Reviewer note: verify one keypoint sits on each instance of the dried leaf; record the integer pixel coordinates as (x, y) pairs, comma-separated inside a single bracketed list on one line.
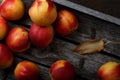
[(90, 46)]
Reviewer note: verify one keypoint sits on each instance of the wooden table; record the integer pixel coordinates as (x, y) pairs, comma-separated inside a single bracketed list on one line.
[(90, 23)]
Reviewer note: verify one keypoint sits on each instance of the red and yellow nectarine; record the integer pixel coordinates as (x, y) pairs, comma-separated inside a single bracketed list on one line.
[(109, 71), (3, 28), (62, 70), (66, 23), (18, 39), (27, 70), (12, 9), (41, 36), (43, 12), (6, 57)]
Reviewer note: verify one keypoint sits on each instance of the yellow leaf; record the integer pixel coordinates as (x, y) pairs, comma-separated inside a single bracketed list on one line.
[(90, 46)]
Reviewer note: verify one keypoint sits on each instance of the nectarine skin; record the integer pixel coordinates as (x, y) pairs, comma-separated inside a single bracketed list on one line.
[(18, 39), (109, 71), (3, 28), (41, 36), (43, 12), (12, 9), (62, 70), (6, 57), (66, 23), (26, 70)]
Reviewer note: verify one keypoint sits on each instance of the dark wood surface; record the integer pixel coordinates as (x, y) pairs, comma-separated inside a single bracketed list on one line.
[(110, 7), (61, 48)]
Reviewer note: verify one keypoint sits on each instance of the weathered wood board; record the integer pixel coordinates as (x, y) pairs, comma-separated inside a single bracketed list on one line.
[(2, 75), (61, 48)]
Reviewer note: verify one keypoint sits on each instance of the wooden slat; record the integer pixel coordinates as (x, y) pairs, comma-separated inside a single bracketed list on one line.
[(56, 51), (89, 11), (2, 75)]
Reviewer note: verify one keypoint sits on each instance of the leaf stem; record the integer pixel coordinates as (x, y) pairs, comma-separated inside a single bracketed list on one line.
[(112, 42)]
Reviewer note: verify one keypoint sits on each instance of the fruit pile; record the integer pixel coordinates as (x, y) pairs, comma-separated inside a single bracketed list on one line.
[(44, 16)]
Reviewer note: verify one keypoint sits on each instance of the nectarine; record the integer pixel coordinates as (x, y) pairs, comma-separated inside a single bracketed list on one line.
[(3, 28), (62, 70), (66, 23), (6, 57), (18, 39), (41, 36), (43, 12), (12, 9), (26, 70), (109, 71)]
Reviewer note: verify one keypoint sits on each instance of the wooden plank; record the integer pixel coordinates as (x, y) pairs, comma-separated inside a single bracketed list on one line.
[(89, 11), (56, 51), (110, 7), (2, 74)]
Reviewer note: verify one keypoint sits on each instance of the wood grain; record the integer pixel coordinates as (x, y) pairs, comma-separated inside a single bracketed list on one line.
[(2, 74)]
